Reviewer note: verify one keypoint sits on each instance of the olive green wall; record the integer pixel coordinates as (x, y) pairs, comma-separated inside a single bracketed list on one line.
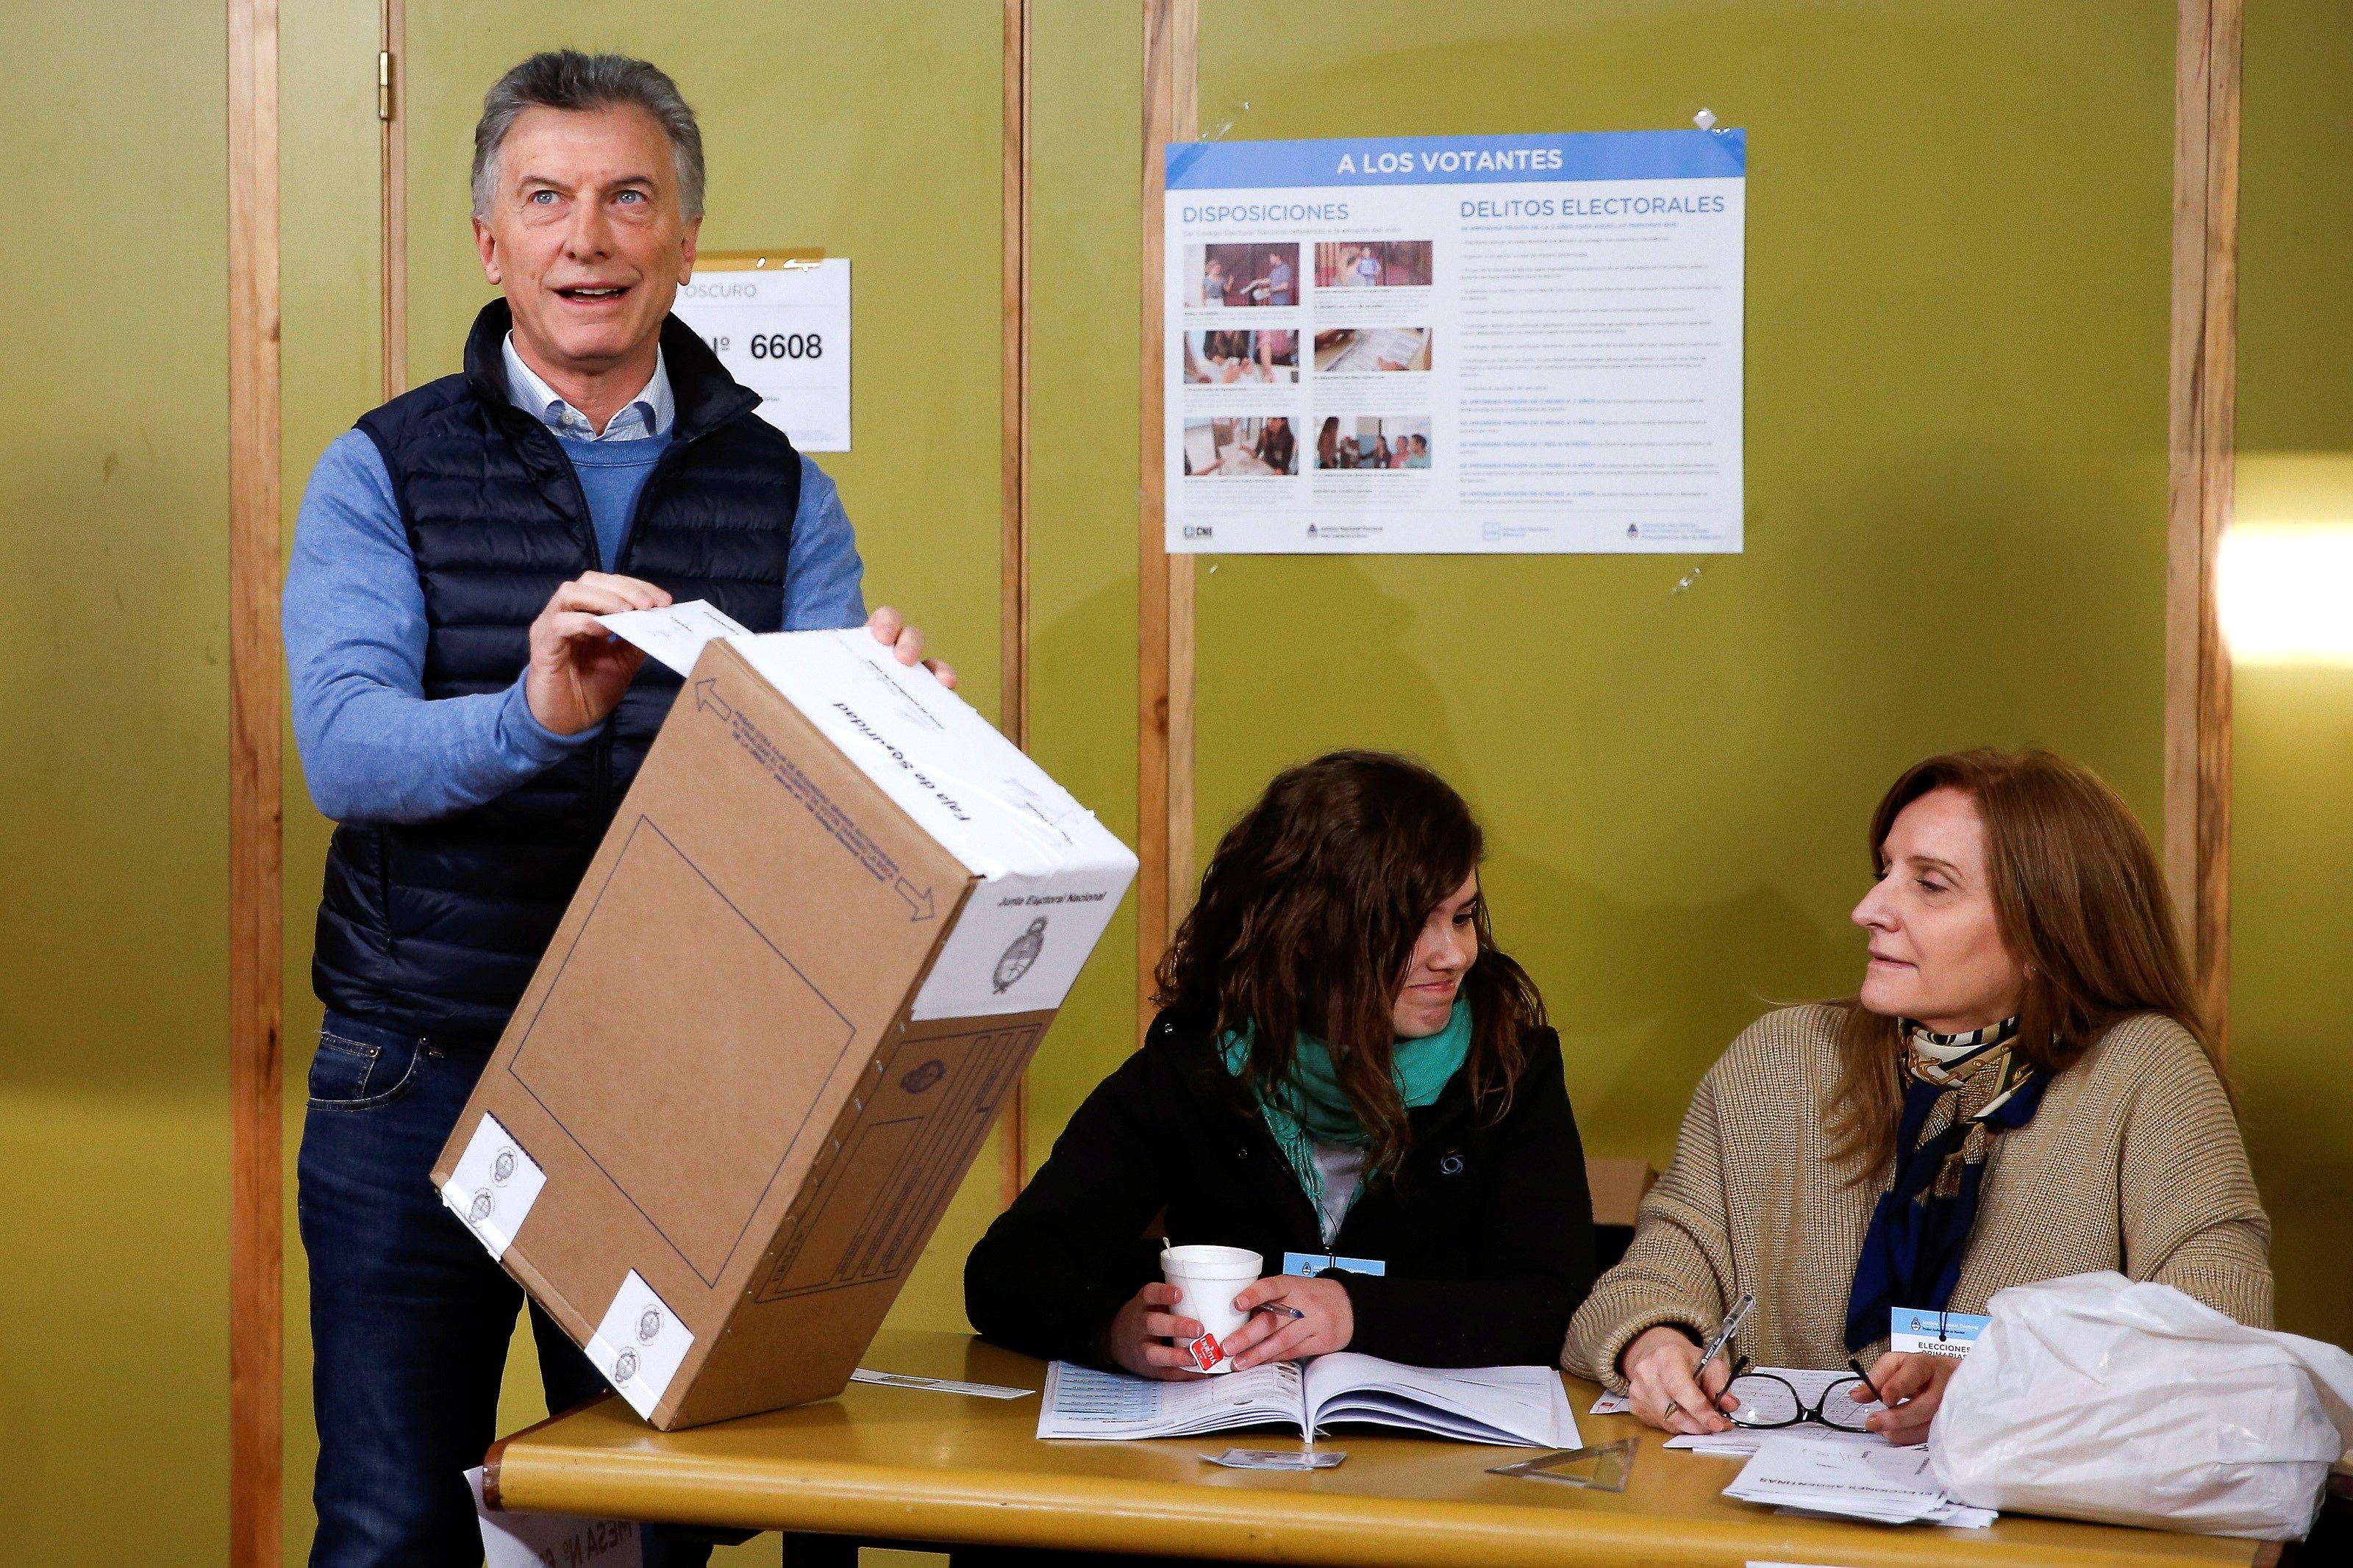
[(2292, 836), (1959, 231), (1958, 297), (114, 775)]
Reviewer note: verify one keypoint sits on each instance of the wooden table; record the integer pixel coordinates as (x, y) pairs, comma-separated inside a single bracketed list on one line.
[(906, 1466)]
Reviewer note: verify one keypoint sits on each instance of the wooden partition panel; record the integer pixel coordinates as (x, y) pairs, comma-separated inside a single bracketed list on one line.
[(2201, 446), (1165, 592), (255, 807), (1013, 459), (256, 697)]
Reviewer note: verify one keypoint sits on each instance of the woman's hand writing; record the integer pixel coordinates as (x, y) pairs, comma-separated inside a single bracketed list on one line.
[(1327, 1321), (1661, 1389)]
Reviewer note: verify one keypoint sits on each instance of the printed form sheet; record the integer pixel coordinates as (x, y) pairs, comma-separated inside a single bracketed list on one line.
[(1456, 345)]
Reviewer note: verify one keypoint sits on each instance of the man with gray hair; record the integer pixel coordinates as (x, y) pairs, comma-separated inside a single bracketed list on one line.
[(471, 728)]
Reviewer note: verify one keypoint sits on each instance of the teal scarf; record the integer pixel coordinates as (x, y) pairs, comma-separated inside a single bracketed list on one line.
[(1310, 1108)]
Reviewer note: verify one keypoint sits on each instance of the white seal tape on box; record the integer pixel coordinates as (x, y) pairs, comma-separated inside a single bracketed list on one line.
[(493, 1186), (639, 1344)]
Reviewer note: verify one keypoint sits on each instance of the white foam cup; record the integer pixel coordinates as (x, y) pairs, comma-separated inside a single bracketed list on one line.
[(1210, 1277)]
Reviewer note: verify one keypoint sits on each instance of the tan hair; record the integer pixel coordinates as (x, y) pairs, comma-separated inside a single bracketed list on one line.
[(2081, 904)]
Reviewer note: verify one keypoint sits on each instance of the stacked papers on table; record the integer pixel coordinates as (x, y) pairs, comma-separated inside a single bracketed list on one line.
[(1850, 1480)]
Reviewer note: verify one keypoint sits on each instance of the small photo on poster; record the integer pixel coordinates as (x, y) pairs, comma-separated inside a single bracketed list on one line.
[(1370, 351), (1226, 277), (1239, 357), (1240, 448), (1373, 263), (1369, 442)]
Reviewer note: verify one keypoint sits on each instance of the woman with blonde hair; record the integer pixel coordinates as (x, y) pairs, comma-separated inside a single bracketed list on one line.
[(2023, 1089)]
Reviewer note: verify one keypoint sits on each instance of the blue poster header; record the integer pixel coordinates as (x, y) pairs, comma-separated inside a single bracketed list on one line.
[(1459, 159)]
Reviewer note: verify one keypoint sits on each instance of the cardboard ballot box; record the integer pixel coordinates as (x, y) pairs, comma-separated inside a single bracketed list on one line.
[(822, 939)]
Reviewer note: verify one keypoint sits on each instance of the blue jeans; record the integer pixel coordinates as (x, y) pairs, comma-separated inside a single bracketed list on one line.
[(409, 1316)]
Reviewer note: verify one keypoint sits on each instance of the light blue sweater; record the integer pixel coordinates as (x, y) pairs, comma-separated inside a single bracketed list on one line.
[(374, 748)]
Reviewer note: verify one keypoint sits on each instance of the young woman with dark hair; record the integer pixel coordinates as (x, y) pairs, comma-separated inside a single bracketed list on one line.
[(1346, 1071), (2023, 1089)]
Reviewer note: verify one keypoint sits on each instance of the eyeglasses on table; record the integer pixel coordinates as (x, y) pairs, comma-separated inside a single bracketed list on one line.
[(1769, 1402)]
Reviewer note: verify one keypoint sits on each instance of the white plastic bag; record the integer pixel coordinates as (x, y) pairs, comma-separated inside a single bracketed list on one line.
[(2093, 1397)]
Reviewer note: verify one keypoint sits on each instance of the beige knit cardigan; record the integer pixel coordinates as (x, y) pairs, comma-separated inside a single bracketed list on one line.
[(2133, 1163)]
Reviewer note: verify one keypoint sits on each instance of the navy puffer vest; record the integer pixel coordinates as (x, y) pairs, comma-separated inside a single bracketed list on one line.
[(436, 926)]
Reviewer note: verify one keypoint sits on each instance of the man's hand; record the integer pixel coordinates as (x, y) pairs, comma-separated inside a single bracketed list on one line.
[(906, 644), (1914, 1385), (1330, 1322), (1138, 1338), (1658, 1367), (578, 670)]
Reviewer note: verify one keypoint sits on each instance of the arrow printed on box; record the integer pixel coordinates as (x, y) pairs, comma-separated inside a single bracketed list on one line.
[(707, 696), (920, 903)]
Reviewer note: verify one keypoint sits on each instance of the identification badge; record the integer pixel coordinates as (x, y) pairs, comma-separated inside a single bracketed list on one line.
[(1920, 1332), (1307, 1264)]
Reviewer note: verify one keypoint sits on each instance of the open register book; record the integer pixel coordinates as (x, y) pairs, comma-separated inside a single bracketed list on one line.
[(1519, 1406)]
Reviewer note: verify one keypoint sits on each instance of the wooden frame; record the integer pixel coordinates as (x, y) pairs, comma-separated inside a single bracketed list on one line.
[(392, 219), (1164, 709), (1013, 604), (256, 916), (2202, 411)]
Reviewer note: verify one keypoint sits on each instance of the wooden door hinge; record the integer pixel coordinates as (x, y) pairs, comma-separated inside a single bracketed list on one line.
[(383, 85)]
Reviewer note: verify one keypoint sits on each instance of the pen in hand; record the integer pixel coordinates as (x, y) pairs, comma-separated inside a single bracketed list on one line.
[(1714, 1347)]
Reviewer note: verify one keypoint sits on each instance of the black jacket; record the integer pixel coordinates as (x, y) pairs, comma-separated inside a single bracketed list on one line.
[(1486, 1229), (433, 928)]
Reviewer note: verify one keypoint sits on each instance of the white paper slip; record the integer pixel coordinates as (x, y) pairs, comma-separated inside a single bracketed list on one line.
[(1053, 874), (676, 633), (1278, 1458), (939, 1384), (1739, 1443), (1611, 1404), (1850, 1480), (536, 1540), (493, 1185), (638, 1344)]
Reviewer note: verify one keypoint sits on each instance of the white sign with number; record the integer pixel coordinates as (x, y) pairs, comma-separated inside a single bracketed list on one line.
[(782, 330)]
